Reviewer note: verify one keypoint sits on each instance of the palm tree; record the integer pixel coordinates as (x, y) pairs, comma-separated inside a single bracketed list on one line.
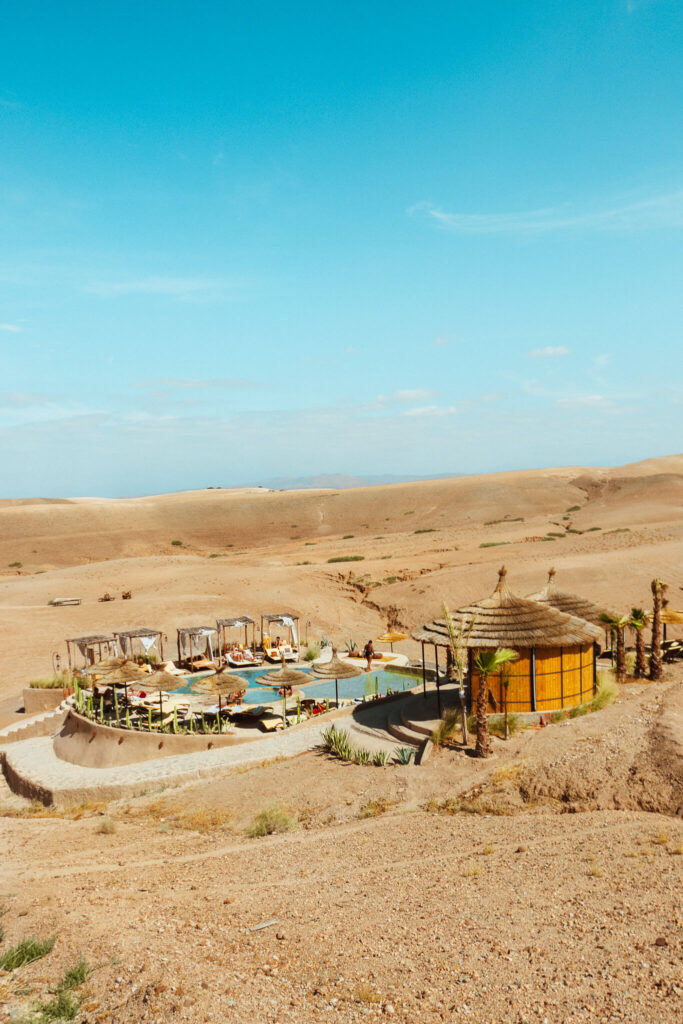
[(488, 663), (658, 587), (456, 655), (618, 624), (637, 622)]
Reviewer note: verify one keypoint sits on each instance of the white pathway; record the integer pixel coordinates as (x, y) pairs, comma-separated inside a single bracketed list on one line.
[(32, 767)]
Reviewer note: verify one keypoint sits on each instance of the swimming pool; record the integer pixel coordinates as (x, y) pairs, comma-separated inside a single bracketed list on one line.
[(259, 692)]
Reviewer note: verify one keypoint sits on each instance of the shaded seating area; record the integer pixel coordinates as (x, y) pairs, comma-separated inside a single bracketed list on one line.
[(90, 650), (280, 636), (147, 644), (197, 647), (236, 649)]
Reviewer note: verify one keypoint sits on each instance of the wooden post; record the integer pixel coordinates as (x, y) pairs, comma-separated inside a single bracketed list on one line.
[(424, 671), (68, 654), (562, 676), (438, 690), (161, 645), (532, 678), (470, 672), (595, 669), (190, 639)]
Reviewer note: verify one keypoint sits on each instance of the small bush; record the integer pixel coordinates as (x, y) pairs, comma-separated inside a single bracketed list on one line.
[(495, 522), (390, 579), (347, 558), (107, 827), (554, 533), (662, 837), (494, 543), (348, 536), (559, 716), (362, 756), (380, 758), (337, 742), (489, 850), (365, 993), (14, 565), (592, 529), (429, 529), (177, 543), (312, 652), (373, 808), (25, 952), (497, 724), (63, 1006), (570, 529), (54, 682), (449, 725), (271, 820), (470, 871), (574, 508), (204, 820), (578, 710), (608, 691)]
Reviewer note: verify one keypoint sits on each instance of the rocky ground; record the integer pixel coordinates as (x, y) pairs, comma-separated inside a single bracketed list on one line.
[(458, 891)]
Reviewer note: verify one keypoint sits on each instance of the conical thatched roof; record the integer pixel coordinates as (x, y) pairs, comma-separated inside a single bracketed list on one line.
[(117, 670), (286, 676), (505, 620), (571, 604), (221, 683), (161, 681), (336, 669)]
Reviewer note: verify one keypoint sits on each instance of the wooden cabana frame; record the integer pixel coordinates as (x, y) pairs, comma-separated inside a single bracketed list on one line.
[(127, 638), (195, 637), (279, 619), (223, 625), (92, 649), (556, 653)]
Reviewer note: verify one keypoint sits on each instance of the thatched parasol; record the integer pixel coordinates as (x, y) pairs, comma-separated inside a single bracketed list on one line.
[(336, 669), (571, 604), (118, 672), (286, 676), (391, 637), (223, 685), (161, 681), (505, 620)]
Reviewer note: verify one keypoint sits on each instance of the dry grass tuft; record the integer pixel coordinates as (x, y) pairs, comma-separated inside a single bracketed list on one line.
[(203, 820), (106, 827), (364, 992), (662, 837), (489, 849), (373, 808), (271, 820), (597, 872), (470, 871), (464, 805)]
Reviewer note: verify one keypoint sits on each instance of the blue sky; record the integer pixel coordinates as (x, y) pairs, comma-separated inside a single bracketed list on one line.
[(240, 242)]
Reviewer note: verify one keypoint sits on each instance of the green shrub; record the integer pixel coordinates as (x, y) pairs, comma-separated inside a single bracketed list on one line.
[(494, 543), (403, 755), (497, 724), (63, 1006), (361, 756), (552, 533), (495, 522), (25, 952), (574, 508), (337, 742), (449, 725), (347, 558), (429, 529), (592, 529), (54, 682), (380, 758), (312, 652), (608, 691), (571, 529), (373, 808), (271, 820), (348, 536), (559, 716), (14, 565), (177, 543), (578, 710)]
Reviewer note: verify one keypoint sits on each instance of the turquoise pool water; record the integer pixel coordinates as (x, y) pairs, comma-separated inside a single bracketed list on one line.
[(259, 692)]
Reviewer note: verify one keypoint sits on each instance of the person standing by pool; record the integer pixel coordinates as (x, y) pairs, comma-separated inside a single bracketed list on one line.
[(368, 654)]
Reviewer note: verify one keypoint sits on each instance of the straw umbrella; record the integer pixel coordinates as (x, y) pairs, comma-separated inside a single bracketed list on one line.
[(161, 681), (118, 672), (221, 684), (286, 676), (336, 669), (391, 637)]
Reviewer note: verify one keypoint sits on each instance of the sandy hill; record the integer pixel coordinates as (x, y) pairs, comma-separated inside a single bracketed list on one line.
[(346, 561)]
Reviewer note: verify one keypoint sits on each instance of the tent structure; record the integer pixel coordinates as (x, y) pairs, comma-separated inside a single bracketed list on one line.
[(242, 622), (134, 642), (556, 653), (92, 649), (280, 620), (196, 643)]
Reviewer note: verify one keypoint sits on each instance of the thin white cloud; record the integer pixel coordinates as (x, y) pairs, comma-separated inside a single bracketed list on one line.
[(585, 401), (174, 287), (663, 211), (601, 360), (549, 352), (441, 341), (193, 384), (407, 395), (431, 410), (10, 327)]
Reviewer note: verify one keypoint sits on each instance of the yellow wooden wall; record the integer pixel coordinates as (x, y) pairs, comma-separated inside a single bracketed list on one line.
[(564, 678)]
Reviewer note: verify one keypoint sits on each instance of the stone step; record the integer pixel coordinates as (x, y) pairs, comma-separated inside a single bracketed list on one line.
[(402, 732), (44, 724), (425, 728)]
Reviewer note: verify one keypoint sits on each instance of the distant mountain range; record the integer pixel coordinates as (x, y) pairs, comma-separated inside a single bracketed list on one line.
[(339, 481)]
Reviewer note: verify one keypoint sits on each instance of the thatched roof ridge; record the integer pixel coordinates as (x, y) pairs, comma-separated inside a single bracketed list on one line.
[(97, 639), (505, 620), (133, 633), (571, 604)]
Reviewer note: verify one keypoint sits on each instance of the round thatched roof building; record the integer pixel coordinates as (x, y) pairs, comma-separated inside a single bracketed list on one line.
[(571, 604), (555, 665)]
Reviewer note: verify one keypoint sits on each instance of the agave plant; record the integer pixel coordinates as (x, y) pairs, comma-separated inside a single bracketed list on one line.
[(362, 756), (403, 755), (380, 758)]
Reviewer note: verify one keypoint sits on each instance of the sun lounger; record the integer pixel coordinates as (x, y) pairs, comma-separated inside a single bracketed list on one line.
[(271, 723)]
